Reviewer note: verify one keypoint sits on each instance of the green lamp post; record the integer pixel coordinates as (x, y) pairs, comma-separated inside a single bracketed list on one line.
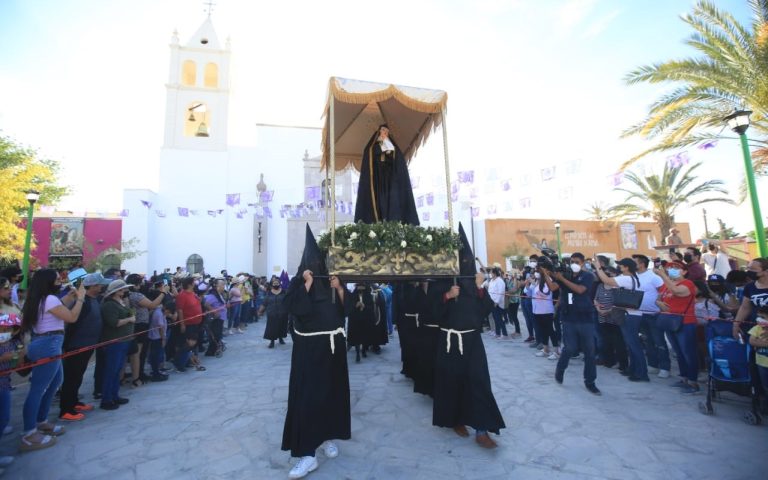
[(32, 197), (738, 121), (557, 232)]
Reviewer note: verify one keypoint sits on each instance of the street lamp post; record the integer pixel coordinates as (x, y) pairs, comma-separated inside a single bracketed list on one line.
[(738, 121), (557, 231), (32, 197)]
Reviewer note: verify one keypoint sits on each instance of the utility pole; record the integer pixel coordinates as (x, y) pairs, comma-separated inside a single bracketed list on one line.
[(706, 228)]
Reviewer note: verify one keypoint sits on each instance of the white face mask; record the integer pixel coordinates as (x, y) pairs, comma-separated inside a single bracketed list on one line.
[(532, 264), (537, 275), (575, 267), (5, 337)]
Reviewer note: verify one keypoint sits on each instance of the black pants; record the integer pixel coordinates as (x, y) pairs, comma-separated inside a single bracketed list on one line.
[(74, 369), (545, 329), (98, 370), (512, 313), (216, 328), (614, 350), (143, 340)]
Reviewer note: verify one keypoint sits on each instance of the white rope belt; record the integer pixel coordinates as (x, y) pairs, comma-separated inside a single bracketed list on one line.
[(414, 315), (459, 333), (433, 326), (330, 334)]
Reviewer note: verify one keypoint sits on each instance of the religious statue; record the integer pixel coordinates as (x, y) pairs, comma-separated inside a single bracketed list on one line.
[(384, 192)]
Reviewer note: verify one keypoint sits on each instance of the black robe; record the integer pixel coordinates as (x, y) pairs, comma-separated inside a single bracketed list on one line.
[(318, 389), (384, 192), (409, 301), (363, 328), (426, 343), (277, 316), (463, 393)]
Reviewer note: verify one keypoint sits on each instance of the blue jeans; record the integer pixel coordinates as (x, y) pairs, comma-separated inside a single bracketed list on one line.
[(5, 409), (498, 321), (233, 316), (649, 340), (631, 333), (579, 336), (684, 343), (527, 305), (114, 356), (660, 343), (45, 380), (156, 356), (763, 372)]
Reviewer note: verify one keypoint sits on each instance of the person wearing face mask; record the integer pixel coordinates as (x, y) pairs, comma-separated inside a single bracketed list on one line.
[(11, 355), (44, 316), (677, 297), (526, 303), (755, 293), (277, 315), (692, 259), (83, 333), (118, 321), (577, 313)]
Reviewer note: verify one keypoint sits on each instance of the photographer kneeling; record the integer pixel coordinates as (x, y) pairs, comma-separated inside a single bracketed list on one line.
[(577, 313)]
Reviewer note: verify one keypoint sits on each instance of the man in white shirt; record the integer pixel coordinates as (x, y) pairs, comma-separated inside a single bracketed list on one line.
[(656, 351), (496, 289), (716, 261)]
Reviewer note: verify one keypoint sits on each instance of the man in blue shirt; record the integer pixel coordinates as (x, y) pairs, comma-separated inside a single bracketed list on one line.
[(577, 312)]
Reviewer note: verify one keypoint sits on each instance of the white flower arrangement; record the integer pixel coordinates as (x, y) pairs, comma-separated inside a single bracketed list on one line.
[(372, 234), (403, 244)]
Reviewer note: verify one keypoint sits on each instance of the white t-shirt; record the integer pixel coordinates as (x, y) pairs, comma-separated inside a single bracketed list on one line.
[(496, 290), (629, 282), (542, 301), (650, 283), (716, 264)]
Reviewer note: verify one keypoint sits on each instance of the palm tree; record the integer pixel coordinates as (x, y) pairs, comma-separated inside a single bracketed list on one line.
[(600, 212), (659, 197), (731, 71)]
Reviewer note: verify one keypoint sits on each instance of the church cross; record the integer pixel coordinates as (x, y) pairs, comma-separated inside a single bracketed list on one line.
[(209, 7)]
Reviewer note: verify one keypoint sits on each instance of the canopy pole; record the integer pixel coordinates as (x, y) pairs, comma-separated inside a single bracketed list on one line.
[(447, 170), (333, 169)]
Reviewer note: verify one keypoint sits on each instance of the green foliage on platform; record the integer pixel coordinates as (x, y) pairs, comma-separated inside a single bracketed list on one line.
[(392, 237)]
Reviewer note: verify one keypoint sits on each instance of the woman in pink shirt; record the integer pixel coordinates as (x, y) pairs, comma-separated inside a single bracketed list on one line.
[(44, 316)]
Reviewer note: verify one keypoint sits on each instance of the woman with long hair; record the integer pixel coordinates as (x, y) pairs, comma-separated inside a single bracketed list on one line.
[(544, 309), (44, 316)]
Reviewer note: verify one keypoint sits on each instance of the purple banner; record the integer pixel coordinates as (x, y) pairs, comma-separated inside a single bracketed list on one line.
[(233, 199), (267, 212), (266, 196), (547, 174), (420, 201), (183, 212), (124, 212), (430, 199), (425, 216), (475, 212), (313, 194), (467, 177), (146, 203)]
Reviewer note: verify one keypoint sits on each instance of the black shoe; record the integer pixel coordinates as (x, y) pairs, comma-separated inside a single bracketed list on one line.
[(365, 354), (559, 376), (271, 344), (624, 372), (357, 358), (633, 378), (158, 378), (96, 396), (109, 406), (122, 401), (282, 342), (376, 350), (593, 389)]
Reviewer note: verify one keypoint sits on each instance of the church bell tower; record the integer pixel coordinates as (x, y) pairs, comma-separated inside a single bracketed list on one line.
[(197, 92)]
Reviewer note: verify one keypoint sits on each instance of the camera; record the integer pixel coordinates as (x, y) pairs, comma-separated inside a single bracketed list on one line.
[(549, 260)]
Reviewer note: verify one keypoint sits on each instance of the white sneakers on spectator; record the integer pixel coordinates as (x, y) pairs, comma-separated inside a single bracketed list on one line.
[(663, 374), (303, 467), (541, 353), (330, 449), (553, 356)]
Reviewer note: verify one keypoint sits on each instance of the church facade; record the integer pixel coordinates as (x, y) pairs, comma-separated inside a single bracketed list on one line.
[(222, 206)]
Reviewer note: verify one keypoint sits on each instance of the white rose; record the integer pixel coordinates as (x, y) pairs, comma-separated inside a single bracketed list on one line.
[(372, 234), (353, 236), (429, 238), (403, 244)]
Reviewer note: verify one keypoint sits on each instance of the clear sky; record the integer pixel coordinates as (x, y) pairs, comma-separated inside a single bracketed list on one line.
[(531, 84)]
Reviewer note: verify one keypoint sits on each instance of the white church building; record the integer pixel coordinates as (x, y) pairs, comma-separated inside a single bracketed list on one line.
[(220, 206)]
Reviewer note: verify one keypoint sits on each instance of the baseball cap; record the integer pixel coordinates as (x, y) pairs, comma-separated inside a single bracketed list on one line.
[(95, 279)]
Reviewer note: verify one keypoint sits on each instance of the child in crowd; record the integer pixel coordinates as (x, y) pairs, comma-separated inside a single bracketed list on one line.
[(758, 338), (157, 338), (11, 353)]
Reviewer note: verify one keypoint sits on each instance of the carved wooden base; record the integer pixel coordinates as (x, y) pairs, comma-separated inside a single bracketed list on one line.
[(402, 263)]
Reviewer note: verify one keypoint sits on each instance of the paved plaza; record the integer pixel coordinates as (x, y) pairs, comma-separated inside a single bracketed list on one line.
[(226, 423)]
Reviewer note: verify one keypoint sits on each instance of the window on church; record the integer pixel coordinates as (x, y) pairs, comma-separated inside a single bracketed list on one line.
[(211, 75), (195, 264), (188, 73), (197, 120)]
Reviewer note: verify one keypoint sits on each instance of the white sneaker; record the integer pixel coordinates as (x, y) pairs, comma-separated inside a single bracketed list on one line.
[(663, 374), (240, 330), (652, 370), (5, 461), (8, 429), (553, 356), (541, 353), (303, 467), (330, 449)]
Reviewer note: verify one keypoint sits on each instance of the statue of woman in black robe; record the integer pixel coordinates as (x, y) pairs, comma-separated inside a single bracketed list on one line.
[(384, 192)]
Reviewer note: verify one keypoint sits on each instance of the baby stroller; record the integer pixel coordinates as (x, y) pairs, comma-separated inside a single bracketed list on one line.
[(729, 369), (214, 330)]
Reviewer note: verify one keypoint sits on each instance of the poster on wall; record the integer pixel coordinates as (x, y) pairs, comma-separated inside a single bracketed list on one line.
[(628, 236), (66, 237)]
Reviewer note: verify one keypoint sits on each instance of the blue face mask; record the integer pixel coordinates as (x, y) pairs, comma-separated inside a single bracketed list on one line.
[(673, 272)]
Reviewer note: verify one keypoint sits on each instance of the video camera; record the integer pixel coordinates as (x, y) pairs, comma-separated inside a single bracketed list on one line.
[(551, 261)]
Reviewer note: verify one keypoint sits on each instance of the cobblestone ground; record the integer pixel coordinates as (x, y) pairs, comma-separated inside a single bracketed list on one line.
[(226, 423)]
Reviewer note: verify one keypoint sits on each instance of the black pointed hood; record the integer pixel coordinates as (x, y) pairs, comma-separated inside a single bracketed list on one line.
[(313, 260), (466, 255)]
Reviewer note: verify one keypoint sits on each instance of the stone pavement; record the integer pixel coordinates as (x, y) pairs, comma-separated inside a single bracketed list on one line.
[(226, 423)]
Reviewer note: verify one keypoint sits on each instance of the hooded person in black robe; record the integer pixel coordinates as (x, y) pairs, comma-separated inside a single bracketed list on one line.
[(463, 393), (318, 389), (365, 313), (384, 192), (425, 339), (277, 315), (409, 300)]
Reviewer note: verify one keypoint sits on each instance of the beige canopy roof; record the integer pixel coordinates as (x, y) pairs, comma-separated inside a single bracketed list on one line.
[(360, 107)]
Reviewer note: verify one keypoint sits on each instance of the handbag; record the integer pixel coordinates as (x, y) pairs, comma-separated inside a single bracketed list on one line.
[(626, 298), (616, 316)]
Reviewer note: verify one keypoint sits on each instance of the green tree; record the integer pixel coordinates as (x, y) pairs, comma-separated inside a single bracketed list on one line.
[(601, 212), (22, 170), (113, 256), (659, 196), (730, 71), (724, 233)]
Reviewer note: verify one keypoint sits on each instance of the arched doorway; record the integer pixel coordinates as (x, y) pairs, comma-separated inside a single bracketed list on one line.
[(195, 263)]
